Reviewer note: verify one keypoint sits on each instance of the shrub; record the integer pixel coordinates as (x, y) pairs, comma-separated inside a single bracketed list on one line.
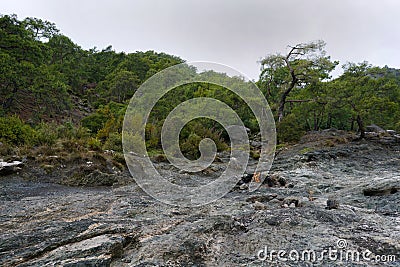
[(255, 154), (14, 131), (397, 127), (66, 130), (190, 147), (119, 158), (46, 134), (94, 144), (290, 129), (82, 132), (74, 145), (113, 142), (200, 129), (94, 122), (6, 149)]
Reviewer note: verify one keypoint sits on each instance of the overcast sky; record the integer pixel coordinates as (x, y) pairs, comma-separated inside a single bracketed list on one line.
[(235, 33)]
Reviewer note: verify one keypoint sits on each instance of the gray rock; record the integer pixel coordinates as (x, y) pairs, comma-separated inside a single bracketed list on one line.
[(256, 144), (47, 224), (259, 206), (382, 188), (374, 128), (7, 168), (96, 251), (275, 180)]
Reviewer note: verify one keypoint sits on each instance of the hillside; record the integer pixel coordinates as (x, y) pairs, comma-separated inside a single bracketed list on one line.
[(48, 79)]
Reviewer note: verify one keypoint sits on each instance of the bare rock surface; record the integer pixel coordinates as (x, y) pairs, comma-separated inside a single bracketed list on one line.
[(48, 224)]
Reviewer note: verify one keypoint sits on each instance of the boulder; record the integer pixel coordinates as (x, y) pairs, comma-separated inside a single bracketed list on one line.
[(383, 187), (275, 181), (374, 128), (95, 251), (10, 167)]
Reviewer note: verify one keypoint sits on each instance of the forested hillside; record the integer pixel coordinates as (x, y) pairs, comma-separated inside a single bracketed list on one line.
[(299, 88), (51, 89)]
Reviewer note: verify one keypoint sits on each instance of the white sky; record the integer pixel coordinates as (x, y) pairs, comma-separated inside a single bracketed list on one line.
[(235, 33)]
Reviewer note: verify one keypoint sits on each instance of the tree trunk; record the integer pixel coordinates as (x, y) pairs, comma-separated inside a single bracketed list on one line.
[(329, 122), (361, 127), (352, 124), (289, 89), (282, 103)]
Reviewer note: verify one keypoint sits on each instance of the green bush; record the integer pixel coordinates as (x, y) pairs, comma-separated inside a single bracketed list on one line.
[(113, 142), (397, 127), (134, 142), (66, 130), (14, 131), (7, 149), (73, 145), (199, 128), (190, 147), (290, 129), (46, 134), (94, 144), (81, 132), (94, 122)]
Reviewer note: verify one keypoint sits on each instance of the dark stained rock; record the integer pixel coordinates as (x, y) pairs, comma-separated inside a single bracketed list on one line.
[(275, 180), (383, 187), (332, 204), (380, 191), (7, 168)]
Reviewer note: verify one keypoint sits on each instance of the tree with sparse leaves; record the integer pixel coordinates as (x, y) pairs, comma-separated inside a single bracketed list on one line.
[(303, 65)]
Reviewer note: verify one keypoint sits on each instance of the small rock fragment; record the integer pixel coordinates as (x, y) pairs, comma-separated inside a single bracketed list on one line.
[(287, 202), (243, 187), (332, 204), (259, 206)]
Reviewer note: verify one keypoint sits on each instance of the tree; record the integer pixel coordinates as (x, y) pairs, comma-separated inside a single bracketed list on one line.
[(302, 65), (18, 42), (368, 96), (123, 85), (40, 29)]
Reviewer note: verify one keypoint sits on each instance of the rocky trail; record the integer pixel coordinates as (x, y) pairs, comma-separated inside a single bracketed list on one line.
[(47, 224)]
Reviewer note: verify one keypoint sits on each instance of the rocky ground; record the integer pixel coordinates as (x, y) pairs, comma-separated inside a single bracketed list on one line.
[(50, 221)]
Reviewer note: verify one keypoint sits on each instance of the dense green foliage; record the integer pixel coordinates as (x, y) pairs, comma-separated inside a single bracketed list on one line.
[(51, 89), (298, 84)]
